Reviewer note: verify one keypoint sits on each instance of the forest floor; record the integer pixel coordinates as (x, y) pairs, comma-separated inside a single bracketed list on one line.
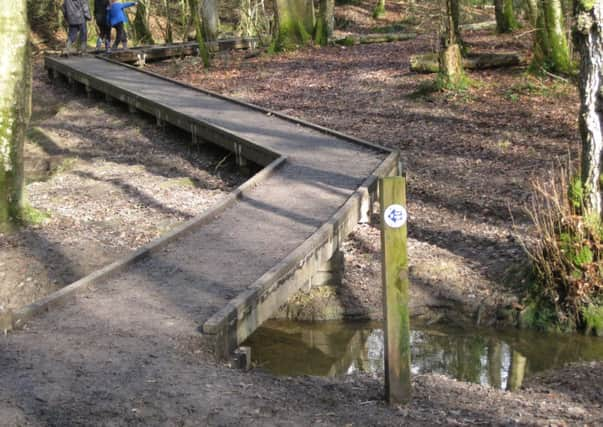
[(110, 181)]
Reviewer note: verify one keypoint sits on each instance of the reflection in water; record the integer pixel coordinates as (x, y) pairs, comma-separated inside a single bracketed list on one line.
[(498, 358)]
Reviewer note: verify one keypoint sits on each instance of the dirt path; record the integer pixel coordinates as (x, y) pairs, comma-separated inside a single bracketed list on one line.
[(107, 182)]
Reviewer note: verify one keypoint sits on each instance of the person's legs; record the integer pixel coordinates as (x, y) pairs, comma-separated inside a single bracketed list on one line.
[(71, 37), (119, 28), (83, 37), (124, 39), (101, 33), (107, 36)]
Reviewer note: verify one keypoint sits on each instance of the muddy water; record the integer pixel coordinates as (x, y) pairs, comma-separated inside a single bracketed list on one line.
[(501, 359)]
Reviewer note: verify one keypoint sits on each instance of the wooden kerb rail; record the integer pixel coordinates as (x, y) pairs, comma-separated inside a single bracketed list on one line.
[(327, 181)]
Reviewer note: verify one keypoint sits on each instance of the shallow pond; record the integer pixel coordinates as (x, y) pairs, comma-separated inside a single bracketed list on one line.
[(498, 358)]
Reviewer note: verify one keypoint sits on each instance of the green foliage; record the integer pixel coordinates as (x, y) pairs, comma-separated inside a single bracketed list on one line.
[(32, 216), (593, 319), (575, 193), (532, 85), (540, 315), (587, 5), (567, 256)]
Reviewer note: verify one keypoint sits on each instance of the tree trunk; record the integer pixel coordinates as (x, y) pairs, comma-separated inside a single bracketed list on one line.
[(203, 51), (211, 20), (533, 12), (450, 58), (379, 9), (551, 49), (295, 23), (141, 24), (589, 38), (15, 107), (505, 17), (169, 35), (325, 22)]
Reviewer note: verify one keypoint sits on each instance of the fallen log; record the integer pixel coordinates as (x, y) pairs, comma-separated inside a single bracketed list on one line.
[(355, 39), (476, 26), (428, 63)]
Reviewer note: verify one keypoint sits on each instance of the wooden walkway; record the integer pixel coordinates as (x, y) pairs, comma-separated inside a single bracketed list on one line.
[(227, 271)]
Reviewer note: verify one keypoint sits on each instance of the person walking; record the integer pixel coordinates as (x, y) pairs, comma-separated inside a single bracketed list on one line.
[(101, 8), (117, 18), (76, 13)]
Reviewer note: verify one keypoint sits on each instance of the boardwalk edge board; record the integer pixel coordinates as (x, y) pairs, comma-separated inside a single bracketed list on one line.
[(247, 311), (63, 295)]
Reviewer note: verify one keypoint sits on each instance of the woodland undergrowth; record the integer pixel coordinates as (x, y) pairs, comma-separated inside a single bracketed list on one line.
[(567, 258)]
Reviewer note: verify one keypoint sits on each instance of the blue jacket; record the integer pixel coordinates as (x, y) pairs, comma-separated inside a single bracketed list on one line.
[(116, 14)]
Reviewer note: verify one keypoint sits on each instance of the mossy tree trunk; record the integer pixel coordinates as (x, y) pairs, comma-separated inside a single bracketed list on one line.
[(325, 22), (551, 49), (141, 23), (15, 107), (203, 50), (379, 9), (589, 38), (211, 20), (451, 65), (505, 16), (532, 6), (295, 23)]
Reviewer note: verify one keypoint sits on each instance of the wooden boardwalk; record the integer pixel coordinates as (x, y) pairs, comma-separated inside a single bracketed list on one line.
[(227, 271)]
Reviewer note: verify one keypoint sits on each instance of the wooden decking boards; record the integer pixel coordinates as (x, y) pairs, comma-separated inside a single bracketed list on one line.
[(230, 269)]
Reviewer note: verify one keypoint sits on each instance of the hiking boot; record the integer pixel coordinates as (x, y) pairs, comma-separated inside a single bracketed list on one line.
[(67, 50)]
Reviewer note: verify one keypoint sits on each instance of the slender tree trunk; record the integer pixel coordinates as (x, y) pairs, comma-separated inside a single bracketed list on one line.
[(211, 20), (169, 35), (505, 17), (589, 38), (379, 9), (203, 51), (325, 22), (451, 64), (532, 12), (141, 24), (15, 107), (551, 49), (295, 23)]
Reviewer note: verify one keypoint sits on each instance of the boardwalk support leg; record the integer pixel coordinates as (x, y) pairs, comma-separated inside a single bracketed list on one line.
[(330, 272)]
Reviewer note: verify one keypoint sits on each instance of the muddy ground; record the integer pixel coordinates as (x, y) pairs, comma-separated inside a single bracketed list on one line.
[(110, 181)]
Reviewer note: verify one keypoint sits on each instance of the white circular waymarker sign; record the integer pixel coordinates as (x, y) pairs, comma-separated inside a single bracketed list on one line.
[(395, 216)]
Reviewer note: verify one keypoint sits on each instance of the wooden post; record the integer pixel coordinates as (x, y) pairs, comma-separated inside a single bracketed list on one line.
[(392, 191)]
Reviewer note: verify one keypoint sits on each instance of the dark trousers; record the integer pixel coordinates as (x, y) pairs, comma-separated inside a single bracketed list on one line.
[(121, 36), (82, 29), (104, 29)]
